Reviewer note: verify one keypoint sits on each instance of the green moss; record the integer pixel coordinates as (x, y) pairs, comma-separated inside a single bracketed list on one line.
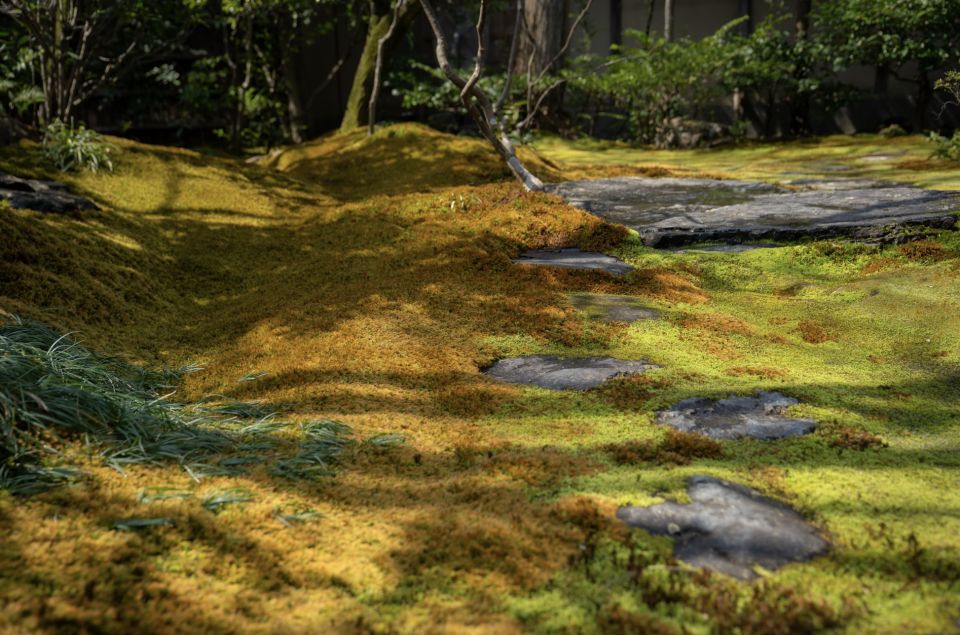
[(366, 297)]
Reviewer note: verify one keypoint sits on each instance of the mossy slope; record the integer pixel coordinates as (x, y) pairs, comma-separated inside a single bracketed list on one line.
[(375, 303)]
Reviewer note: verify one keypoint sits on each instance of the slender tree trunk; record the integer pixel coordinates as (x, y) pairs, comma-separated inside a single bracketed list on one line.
[(616, 22), (398, 10), (652, 8), (359, 98), (924, 97), (478, 104), (668, 20), (800, 113)]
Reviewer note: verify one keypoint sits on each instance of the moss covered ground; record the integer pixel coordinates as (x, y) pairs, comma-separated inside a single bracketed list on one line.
[(370, 279)]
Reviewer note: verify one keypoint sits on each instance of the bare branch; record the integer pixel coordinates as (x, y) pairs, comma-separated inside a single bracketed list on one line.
[(478, 103), (478, 67), (511, 59), (378, 68)]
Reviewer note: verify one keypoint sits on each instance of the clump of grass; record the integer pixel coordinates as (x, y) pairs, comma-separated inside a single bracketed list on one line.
[(216, 501), (321, 449), (52, 390)]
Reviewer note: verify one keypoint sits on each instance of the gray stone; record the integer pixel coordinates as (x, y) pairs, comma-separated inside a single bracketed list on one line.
[(761, 417), (574, 259), (612, 308), (670, 211), (41, 196), (560, 373), (730, 529)]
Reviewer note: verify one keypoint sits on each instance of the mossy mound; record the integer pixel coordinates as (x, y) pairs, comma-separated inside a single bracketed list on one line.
[(376, 304)]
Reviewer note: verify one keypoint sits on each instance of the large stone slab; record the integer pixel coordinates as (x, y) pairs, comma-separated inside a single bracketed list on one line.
[(612, 308), (761, 417), (41, 196), (564, 373), (574, 259), (730, 529), (670, 211)]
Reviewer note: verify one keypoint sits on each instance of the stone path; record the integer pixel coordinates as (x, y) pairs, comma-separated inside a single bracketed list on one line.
[(561, 373), (612, 308), (761, 417), (41, 196), (671, 211), (729, 528), (574, 259)]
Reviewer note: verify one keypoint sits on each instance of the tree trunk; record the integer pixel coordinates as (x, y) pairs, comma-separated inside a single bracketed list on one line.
[(544, 22), (800, 112), (616, 22), (359, 98), (668, 20), (924, 97), (477, 102)]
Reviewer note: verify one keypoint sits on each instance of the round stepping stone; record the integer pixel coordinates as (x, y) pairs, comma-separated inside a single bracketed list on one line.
[(612, 308), (574, 259), (730, 529), (671, 212), (564, 373), (759, 417)]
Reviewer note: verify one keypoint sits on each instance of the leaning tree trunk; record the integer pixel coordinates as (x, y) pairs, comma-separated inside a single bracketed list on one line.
[(477, 102), (356, 111), (381, 19)]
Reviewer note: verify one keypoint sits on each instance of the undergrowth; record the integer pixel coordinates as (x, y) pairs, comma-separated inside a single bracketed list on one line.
[(54, 392)]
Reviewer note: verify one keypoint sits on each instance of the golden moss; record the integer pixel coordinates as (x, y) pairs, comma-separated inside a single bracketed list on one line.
[(376, 303)]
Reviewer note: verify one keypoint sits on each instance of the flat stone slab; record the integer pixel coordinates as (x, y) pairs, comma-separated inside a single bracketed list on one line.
[(730, 529), (564, 373), (41, 196), (574, 259), (612, 308), (672, 211), (761, 417)]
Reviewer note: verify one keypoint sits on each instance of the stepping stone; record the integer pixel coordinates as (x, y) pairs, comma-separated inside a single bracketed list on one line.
[(41, 196), (564, 373), (574, 259), (671, 212), (759, 417), (730, 529), (612, 308)]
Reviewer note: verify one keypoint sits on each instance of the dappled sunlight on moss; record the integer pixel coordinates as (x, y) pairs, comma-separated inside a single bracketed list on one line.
[(377, 303)]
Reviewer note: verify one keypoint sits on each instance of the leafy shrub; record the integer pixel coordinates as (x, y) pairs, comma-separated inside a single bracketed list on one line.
[(946, 147), (72, 148), (892, 131)]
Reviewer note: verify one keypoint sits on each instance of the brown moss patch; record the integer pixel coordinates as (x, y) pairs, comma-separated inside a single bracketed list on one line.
[(858, 439), (925, 251), (718, 324), (879, 264), (631, 392), (616, 620), (814, 333), (678, 448), (763, 372)]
